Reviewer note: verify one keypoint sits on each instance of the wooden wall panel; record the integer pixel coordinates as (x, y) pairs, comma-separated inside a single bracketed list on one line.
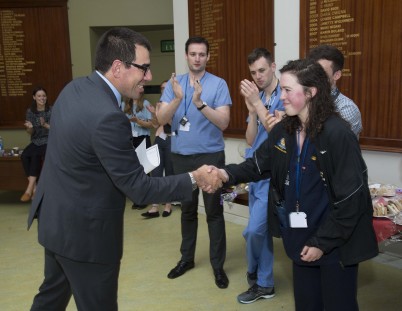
[(233, 28), (34, 50), (369, 33)]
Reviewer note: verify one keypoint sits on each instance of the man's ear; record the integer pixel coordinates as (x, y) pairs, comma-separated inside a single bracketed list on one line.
[(337, 75), (116, 67)]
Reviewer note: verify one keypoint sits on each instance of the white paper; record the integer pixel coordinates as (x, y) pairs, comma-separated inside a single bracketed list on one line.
[(149, 158)]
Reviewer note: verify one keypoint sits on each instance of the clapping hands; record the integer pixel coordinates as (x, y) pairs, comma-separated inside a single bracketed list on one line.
[(210, 178)]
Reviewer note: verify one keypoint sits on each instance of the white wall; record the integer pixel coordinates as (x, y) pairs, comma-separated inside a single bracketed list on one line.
[(383, 167)]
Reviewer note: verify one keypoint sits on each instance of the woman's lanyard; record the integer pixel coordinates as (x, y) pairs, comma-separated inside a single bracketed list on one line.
[(299, 167)]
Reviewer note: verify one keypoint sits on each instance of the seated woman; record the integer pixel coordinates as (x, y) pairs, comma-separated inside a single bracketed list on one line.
[(37, 125)]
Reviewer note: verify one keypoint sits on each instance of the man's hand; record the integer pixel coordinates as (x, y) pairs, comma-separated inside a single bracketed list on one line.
[(208, 178), (250, 92), (197, 93), (271, 120), (177, 90)]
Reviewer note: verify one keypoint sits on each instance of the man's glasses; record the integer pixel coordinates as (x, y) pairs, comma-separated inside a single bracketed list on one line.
[(144, 68)]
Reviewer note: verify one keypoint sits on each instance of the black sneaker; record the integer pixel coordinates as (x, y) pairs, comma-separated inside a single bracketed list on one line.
[(251, 278), (256, 292)]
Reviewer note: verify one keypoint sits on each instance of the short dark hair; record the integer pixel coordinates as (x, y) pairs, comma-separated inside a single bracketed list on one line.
[(330, 53), (201, 40), (309, 74), (257, 53), (118, 43)]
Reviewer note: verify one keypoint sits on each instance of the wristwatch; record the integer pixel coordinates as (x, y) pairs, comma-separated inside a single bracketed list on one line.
[(193, 182), (204, 104)]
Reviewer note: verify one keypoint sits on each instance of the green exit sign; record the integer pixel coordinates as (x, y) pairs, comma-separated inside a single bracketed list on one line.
[(167, 45)]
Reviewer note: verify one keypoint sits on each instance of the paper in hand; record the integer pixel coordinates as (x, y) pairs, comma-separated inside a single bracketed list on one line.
[(149, 158)]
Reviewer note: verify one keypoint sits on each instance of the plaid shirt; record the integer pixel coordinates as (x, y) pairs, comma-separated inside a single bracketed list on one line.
[(348, 111)]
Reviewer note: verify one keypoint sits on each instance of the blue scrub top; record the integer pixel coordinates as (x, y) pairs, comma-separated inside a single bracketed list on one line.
[(203, 136)]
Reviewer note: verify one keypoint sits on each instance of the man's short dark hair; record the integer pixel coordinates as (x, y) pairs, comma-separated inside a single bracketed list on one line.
[(257, 53), (330, 53), (201, 40), (118, 43)]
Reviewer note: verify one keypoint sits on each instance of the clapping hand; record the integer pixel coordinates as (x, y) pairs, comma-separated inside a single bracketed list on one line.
[(28, 124), (250, 92), (272, 119), (197, 92), (177, 90), (43, 123)]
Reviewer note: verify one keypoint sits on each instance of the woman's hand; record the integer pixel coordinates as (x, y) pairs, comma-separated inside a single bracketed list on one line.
[(28, 124), (43, 123), (310, 254)]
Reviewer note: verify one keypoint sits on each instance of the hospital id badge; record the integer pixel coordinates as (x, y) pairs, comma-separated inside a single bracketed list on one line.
[(298, 220), (185, 128)]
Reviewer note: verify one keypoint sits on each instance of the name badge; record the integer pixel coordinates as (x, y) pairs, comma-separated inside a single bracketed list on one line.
[(185, 127), (298, 220)]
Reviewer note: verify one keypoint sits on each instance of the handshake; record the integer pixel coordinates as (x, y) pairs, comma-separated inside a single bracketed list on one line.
[(210, 178)]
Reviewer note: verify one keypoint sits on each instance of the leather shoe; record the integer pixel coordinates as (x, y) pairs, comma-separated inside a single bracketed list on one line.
[(26, 197), (150, 214), (166, 213), (180, 269), (221, 279)]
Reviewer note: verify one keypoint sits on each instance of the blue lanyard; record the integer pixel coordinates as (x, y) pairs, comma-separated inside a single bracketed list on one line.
[(299, 167), (270, 102), (185, 98)]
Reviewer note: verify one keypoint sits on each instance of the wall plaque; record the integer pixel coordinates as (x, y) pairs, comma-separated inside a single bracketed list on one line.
[(368, 32), (233, 29), (34, 50)]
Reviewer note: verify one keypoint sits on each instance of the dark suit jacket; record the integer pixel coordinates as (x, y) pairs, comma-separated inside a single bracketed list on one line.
[(89, 169)]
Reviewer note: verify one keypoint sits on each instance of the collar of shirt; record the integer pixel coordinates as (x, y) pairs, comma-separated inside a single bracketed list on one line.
[(114, 90)]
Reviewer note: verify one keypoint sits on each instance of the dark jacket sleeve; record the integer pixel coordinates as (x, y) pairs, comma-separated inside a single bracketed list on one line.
[(252, 169)]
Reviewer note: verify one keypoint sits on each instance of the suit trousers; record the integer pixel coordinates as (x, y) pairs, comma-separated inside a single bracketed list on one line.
[(213, 210), (94, 286), (329, 287)]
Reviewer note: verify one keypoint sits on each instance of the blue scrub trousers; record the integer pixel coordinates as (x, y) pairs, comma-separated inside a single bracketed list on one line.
[(259, 244)]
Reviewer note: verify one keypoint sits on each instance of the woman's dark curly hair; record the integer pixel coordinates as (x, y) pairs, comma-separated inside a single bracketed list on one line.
[(320, 106)]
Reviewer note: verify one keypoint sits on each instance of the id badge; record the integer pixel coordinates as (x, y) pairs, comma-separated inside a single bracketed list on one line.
[(183, 121), (185, 128), (298, 220)]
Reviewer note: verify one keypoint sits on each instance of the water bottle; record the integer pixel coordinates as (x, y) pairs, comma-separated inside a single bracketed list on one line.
[(1, 147)]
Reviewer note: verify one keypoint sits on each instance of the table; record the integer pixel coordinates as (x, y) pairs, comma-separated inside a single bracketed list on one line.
[(384, 228), (12, 175)]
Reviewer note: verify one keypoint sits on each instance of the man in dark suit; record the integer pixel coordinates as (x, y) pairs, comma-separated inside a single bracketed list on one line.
[(90, 168)]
